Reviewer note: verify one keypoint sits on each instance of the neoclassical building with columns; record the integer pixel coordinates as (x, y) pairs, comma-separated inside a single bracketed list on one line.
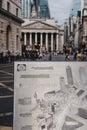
[(45, 32)]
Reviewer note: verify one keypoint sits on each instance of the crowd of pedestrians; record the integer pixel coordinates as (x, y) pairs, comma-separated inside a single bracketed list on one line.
[(11, 56), (77, 55), (80, 55), (8, 57)]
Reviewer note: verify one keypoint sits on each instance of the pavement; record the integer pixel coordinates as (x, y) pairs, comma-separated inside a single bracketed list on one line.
[(5, 128)]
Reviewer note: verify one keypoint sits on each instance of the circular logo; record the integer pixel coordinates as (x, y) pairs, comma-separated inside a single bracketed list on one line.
[(21, 67)]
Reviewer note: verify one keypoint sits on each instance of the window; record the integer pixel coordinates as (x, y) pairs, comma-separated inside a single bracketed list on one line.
[(1, 24), (16, 11), (8, 6), (17, 42), (0, 3), (17, 30)]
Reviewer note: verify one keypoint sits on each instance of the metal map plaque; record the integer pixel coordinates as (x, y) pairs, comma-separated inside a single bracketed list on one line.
[(50, 96)]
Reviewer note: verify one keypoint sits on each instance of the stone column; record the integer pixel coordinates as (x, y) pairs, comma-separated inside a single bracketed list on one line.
[(41, 41), (46, 41), (57, 43), (25, 38), (41, 44), (36, 37), (51, 41), (60, 42), (30, 38)]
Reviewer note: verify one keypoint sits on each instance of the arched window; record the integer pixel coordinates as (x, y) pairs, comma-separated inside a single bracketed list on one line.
[(16, 11), (8, 6), (17, 42), (8, 32)]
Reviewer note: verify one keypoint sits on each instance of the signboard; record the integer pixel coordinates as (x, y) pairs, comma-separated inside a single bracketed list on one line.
[(50, 95)]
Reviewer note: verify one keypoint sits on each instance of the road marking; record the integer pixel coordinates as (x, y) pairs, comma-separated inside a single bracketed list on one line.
[(4, 66), (6, 114), (7, 81), (6, 87), (1, 97), (6, 77), (6, 72)]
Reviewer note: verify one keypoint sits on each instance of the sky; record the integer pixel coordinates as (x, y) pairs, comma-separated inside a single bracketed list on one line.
[(60, 9)]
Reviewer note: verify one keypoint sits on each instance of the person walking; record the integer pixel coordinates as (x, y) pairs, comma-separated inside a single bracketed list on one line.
[(67, 56), (50, 56), (75, 55)]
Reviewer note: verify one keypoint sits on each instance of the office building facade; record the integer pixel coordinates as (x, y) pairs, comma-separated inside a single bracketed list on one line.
[(75, 24), (37, 6), (84, 22), (26, 9), (10, 25), (44, 9)]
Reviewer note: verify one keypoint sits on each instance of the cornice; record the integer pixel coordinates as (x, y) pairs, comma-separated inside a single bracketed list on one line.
[(10, 15)]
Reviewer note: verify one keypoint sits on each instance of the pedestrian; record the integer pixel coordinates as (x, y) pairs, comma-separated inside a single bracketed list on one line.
[(67, 56), (75, 55), (84, 56), (2, 58), (50, 56), (40, 56)]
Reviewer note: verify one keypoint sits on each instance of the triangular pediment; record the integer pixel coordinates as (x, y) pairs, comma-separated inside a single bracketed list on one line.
[(39, 25)]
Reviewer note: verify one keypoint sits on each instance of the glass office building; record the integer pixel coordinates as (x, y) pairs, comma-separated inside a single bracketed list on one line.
[(36, 3), (26, 8), (44, 11)]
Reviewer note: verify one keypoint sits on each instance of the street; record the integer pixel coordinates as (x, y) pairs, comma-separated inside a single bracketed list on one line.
[(59, 57), (6, 94)]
